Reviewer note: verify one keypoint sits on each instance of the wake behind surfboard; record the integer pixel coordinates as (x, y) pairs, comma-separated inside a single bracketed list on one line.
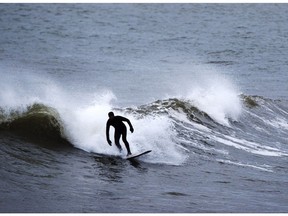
[(133, 156)]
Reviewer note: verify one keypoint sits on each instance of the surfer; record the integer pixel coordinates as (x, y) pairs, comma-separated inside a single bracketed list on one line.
[(120, 130)]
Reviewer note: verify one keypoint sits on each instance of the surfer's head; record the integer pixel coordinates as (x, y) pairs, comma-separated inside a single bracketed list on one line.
[(111, 114)]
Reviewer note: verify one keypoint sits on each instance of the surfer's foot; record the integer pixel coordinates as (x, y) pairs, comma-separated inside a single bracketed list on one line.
[(129, 153)]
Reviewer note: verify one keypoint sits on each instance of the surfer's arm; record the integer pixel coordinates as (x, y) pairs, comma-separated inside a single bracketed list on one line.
[(129, 123), (107, 133)]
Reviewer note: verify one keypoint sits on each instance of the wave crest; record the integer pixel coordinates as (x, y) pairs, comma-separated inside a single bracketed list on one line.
[(192, 112)]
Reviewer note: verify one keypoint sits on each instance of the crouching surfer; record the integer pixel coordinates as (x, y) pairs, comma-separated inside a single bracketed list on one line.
[(120, 130)]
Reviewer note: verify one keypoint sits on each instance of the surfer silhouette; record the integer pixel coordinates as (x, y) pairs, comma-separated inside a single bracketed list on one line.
[(120, 130)]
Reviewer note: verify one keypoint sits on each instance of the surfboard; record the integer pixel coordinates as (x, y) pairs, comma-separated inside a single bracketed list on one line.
[(133, 156)]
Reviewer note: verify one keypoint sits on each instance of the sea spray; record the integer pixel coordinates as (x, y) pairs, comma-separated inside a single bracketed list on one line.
[(86, 128), (210, 91), (218, 98), (157, 133), (85, 124)]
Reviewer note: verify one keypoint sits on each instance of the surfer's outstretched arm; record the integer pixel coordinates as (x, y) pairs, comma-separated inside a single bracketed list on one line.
[(107, 133), (130, 125)]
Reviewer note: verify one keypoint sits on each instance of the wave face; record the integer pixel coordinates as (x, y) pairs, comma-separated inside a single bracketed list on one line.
[(36, 121), (175, 129)]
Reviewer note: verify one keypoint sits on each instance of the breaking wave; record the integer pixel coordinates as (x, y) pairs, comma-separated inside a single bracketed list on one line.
[(174, 128)]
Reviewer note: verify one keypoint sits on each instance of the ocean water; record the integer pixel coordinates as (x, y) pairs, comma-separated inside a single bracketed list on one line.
[(204, 85)]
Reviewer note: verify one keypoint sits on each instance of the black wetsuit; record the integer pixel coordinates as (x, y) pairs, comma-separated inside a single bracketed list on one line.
[(120, 129)]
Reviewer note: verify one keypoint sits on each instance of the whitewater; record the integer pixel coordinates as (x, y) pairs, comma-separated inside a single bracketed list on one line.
[(199, 87)]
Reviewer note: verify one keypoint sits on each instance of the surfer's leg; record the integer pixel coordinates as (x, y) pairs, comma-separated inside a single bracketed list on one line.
[(124, 138), (117, 139)]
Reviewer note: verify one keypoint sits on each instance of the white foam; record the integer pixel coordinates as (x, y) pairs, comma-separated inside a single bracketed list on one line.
[(279, 123), (263, 168), (157, 133), (86, 129), (249, 146)]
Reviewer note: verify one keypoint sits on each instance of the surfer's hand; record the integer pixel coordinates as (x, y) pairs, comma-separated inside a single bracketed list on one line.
[(132, 129), (109, 142)]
